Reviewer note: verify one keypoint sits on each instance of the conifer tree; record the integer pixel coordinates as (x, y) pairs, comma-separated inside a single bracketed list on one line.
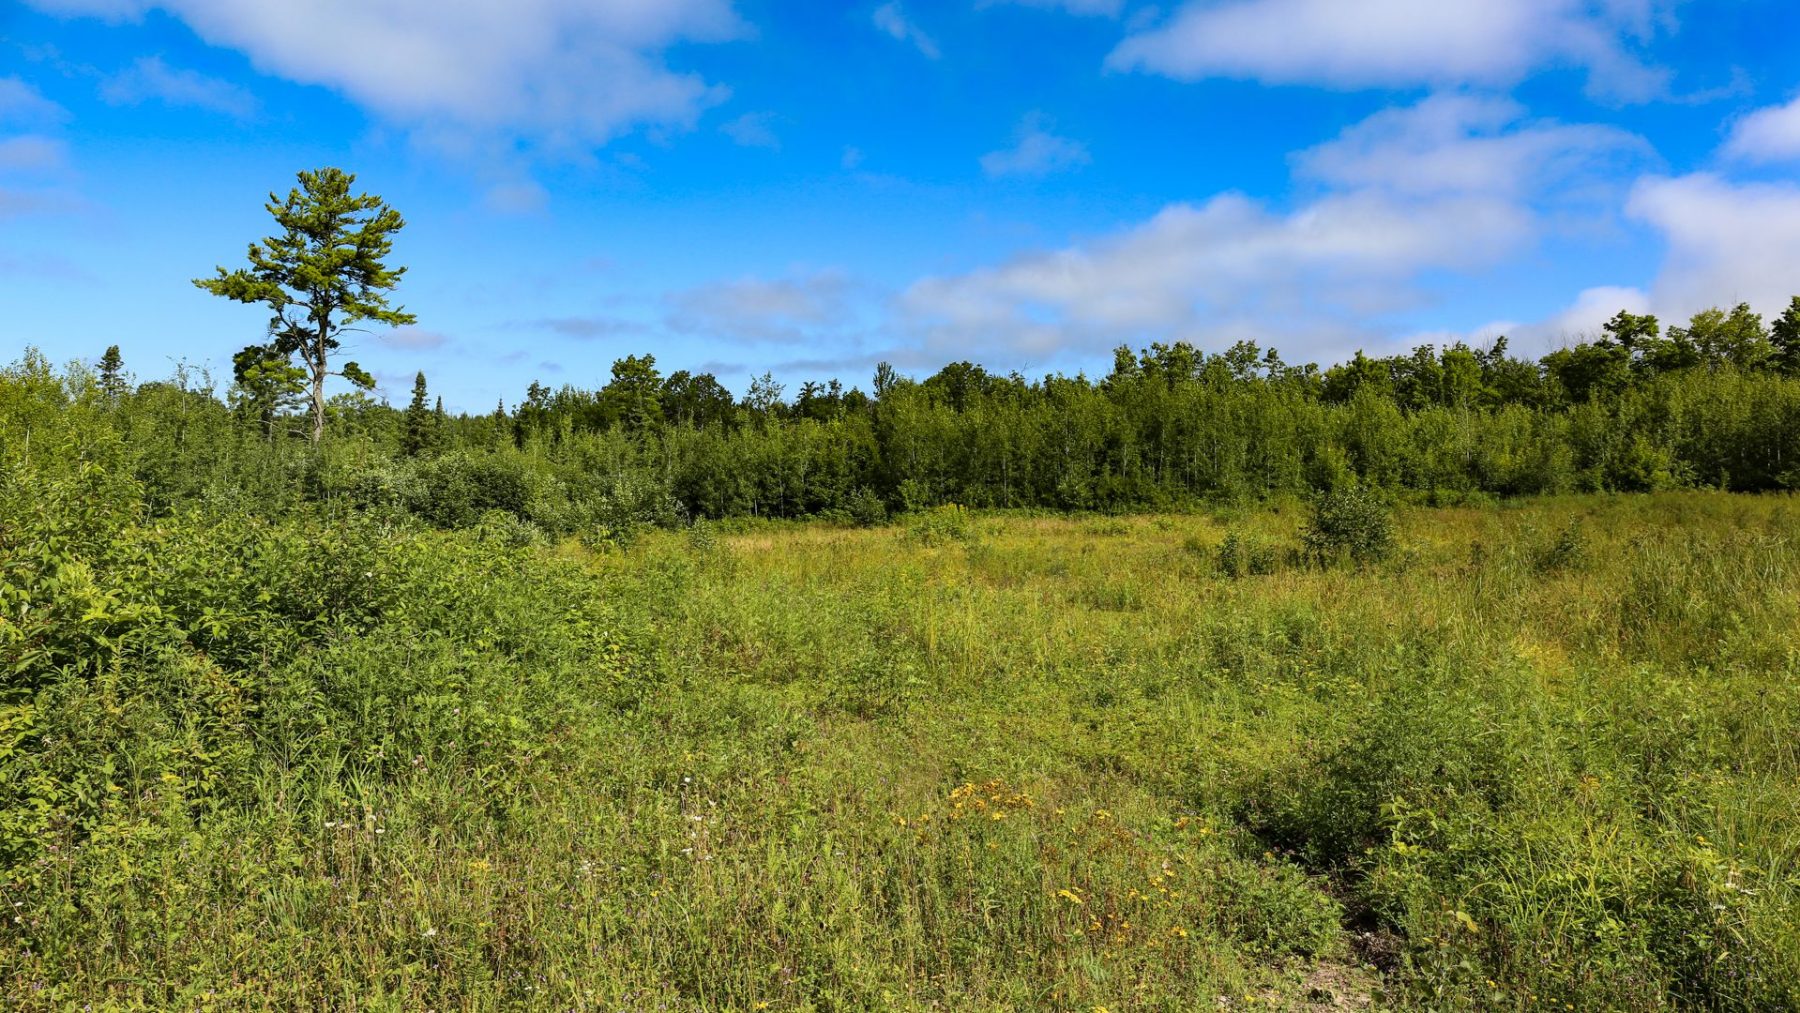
[(419, 435), (324, 273), (112, 372)]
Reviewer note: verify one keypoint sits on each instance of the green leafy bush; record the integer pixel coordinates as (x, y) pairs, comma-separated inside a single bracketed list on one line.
[(942, 525), (455, 490), (865, 508), (1352, 522)]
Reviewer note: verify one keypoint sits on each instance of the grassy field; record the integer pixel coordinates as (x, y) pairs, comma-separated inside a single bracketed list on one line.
[(1544, 758)]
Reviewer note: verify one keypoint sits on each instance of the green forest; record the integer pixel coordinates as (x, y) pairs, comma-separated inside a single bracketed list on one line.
[(1711, 404)]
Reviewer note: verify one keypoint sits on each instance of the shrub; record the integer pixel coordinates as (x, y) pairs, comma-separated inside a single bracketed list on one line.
[(1353, 521), (943, 525), (454, 491), (865, 508)]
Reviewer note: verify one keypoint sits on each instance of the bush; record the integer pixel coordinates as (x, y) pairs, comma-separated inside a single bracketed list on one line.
[(945, 524), (1353, 521), (454, 491), (865, 508)]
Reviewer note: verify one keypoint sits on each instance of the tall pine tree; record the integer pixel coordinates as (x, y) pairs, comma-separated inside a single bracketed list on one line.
[(321, 275), (420, 434), (112, 373)]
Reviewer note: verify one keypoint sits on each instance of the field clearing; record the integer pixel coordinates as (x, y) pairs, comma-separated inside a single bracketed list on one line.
[(1544, 758)]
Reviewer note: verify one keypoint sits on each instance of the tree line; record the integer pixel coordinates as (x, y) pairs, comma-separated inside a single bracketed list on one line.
[(1714, 401)]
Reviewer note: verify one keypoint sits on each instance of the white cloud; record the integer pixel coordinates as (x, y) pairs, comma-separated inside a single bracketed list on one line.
[(1466, 144), (1581, 320), (151, 78), (1771, 134), (892, 20), (1399, 43), (1222, 270), (753, 130), (1035, 152), (559, 72), (21, 103), (1727, 242), (1449, 184), (781, 310)]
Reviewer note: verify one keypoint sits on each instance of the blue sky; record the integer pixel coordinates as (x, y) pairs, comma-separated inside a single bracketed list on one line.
[(810, 188)]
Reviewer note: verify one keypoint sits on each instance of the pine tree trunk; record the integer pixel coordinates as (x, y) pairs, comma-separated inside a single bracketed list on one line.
[(318, 391)]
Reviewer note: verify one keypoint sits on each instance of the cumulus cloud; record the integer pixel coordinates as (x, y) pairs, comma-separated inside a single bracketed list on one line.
[(151, 79), (1727, 242), (1218, 271), (1771, 134), (1406, 192), (555, 71), (1399, 43), (1580, 321), (1724, 243), (1035, 152), (759, 309), (892, 20), (1467, 144)]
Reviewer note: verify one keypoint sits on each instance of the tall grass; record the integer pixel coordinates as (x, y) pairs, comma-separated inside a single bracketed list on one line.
[(1540, 757)]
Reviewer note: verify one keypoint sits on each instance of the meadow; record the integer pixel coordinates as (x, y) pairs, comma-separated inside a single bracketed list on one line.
[(1541, 756)]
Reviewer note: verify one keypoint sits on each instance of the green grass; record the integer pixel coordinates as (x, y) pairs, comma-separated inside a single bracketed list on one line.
[(1544, 756)]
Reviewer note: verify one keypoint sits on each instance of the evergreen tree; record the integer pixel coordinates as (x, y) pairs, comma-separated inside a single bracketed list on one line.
[(420, 434), (267, 384), (322, 274), (112, 373)]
